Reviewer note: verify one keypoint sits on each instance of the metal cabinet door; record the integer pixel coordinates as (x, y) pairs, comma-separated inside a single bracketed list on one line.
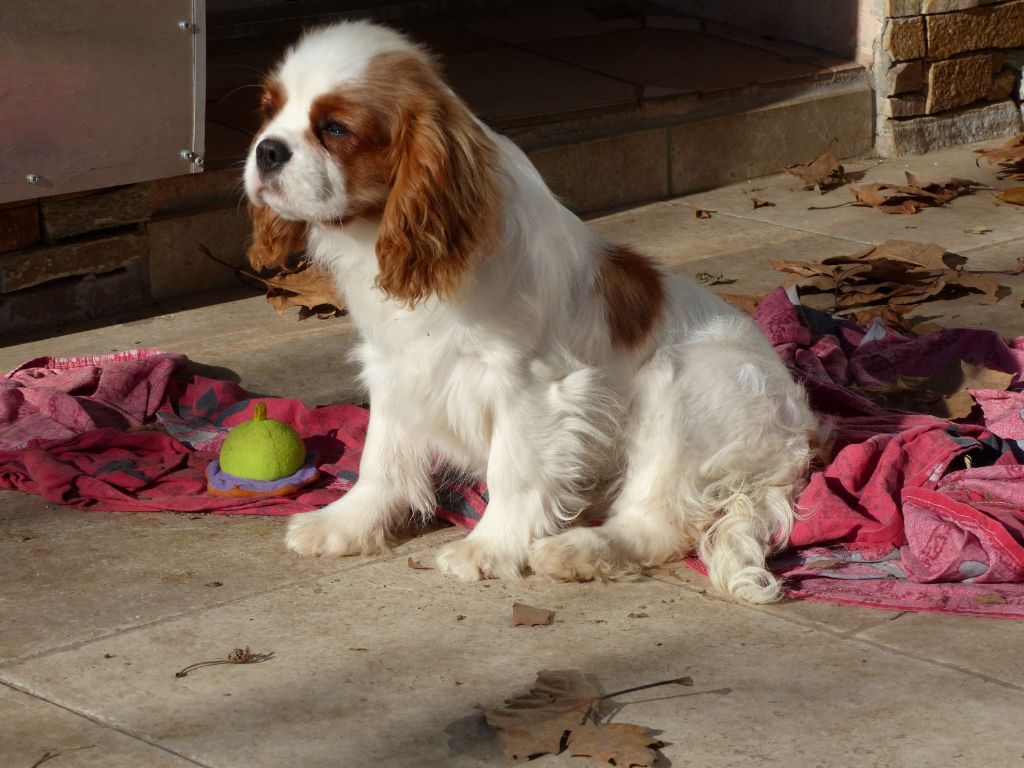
[(95, 93)]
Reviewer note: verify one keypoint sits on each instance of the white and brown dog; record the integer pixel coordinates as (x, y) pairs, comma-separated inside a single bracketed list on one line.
[(502, 337)]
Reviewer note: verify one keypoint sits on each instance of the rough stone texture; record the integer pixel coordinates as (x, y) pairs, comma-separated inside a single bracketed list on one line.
[(924, 134), (904, 38), (997, 26), (911, 105), (956, 82), (75, 215), (902, 7), (178, 267), (1003, 85), (905, 78), (24, 270), (763, 140), (607, 173), (19, 226)]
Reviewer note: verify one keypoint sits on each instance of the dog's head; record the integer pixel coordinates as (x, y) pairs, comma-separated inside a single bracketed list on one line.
[(358, 123)]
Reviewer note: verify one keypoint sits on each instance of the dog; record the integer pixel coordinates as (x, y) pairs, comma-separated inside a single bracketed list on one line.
[(501, 337)]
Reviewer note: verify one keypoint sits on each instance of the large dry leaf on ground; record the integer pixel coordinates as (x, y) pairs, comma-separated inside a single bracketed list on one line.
[(944, 394), (823, 173), (535, 723), (1010, 158), (911, 197), (562, 709)]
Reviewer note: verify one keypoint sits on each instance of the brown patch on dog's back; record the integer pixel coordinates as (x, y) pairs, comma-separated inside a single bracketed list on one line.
[(634, 294)]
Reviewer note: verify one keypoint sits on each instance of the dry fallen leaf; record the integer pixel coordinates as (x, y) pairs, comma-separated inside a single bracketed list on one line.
[(745, 302), (823, 173), (416, 565), (534, 723), (1013, 195), (977, 231), (562, 711), (907, 198), (701, 213), (308, 287), (756, 202), (277, 253), (524, 615), (1010, 157), (886, 280)]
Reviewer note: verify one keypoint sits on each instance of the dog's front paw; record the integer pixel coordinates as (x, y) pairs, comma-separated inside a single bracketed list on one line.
[(334, 532), (579, 554), (471, 559)]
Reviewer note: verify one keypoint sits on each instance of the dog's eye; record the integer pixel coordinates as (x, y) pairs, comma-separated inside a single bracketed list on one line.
[(334, 128)]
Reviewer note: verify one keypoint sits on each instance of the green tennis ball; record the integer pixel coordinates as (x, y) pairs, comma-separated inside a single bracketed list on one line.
[(262, 449)]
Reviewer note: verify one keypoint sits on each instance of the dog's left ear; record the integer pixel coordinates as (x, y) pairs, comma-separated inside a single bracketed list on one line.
[(442, 207), (275, 241)]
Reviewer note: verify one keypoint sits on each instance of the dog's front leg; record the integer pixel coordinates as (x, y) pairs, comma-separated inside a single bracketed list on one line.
[(523, 506), (394, 479)]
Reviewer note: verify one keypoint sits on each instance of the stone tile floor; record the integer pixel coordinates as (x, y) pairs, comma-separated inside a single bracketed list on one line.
[(377, 664)]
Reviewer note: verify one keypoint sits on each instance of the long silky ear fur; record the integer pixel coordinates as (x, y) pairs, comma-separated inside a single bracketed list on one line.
[(442, 208), (275, 241)]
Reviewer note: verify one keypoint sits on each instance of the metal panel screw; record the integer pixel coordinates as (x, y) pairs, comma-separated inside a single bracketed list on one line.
[(185, 24), (32, 178), (188, 154), (197, 160)]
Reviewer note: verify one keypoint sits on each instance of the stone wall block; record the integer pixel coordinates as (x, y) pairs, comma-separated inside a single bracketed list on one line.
[(905, 77), (19, 271), (904, 38), (957, 82), (992, 26), (79, 214)]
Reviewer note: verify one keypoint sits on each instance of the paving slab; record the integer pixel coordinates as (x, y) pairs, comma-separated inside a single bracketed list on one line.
[(75, 576), (33, 728), (385, 665), (988, 647)]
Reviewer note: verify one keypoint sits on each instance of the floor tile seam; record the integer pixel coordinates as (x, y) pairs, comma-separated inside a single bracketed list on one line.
[(16, 661), (982, 246), (793, 228), (106, 726), (938, 663)]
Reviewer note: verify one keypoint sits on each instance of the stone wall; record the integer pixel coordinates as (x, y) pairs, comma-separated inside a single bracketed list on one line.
[(74, 257), (948, 72)]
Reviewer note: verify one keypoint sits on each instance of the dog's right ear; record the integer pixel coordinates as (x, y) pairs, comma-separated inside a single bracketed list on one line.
[(276, 242)]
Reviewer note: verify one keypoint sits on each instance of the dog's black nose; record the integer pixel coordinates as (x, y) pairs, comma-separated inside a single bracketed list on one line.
[(271, 154)]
